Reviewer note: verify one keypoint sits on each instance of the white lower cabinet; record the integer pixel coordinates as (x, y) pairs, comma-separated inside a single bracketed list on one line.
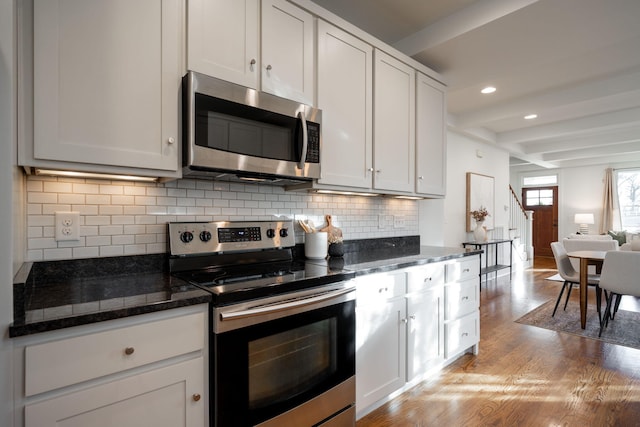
[(381, 335), (148, 370), (425, 309), (462, 308), (410, 323), (161, 397)]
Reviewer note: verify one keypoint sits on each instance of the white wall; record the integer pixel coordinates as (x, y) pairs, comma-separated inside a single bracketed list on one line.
[(443, 222), (7, 138), (580, 190)]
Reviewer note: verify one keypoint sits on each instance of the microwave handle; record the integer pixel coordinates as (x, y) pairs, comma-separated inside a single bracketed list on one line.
[(303, 153)]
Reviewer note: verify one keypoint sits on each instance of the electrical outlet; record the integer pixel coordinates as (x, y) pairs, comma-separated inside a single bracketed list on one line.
[(67, 226), (398, 221), (385, 221)]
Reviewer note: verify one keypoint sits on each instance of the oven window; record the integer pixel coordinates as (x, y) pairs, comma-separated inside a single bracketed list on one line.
[(288, 363)]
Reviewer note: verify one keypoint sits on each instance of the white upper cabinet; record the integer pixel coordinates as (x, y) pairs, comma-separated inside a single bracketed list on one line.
[(430, 137), (287, 51), (269, 48), (106, 85), (345, 92), (224, 39), (393, 124)]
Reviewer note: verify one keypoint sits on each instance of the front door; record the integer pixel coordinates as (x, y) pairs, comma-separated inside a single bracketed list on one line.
[(543, 201)]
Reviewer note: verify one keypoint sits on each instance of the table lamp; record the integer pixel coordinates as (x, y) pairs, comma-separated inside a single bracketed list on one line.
[(583, 219)]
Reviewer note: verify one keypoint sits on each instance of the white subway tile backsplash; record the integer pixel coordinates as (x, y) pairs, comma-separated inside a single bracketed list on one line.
[(130, 218)]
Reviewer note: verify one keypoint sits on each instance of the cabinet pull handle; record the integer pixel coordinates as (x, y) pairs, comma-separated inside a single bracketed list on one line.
[(465, 298), (251, 64), (171, 140), (269, 67), (428, 279), (412, 317), (370, 170), (421, 177), (196, 397), (381, 290), (465, 334), (129, 351), (466, 270), (405, 320)]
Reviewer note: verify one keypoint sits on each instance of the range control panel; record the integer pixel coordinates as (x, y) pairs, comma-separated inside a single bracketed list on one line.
[(188, 238)]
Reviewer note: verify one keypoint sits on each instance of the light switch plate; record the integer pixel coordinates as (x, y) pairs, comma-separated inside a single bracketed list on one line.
[(67, 226)]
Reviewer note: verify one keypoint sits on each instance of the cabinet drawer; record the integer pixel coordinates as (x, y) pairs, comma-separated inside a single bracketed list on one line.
[(425, 276), (380, 286), (468, 268), (69, 361), (462, 333), (461, 298)]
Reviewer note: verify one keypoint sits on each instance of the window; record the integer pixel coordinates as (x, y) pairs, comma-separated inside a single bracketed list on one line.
[(628, 185), (542, 197), (539, 181)]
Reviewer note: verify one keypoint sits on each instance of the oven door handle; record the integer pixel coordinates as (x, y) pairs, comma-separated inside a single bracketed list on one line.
[(281, 306)]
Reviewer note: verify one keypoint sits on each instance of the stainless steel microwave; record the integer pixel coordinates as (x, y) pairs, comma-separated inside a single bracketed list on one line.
[(236, 133)]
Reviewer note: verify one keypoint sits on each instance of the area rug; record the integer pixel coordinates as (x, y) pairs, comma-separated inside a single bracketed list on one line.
[(623, 330)]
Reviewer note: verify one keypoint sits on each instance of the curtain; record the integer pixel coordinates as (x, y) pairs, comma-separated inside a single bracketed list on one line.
[(606, 223)]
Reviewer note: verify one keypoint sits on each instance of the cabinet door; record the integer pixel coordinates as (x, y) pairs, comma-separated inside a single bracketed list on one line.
[(381, 350), (425, 342), (430, 137), (107, 82), (345, 91), (393, 124), (172, 396), (224, 38), (287, 51)]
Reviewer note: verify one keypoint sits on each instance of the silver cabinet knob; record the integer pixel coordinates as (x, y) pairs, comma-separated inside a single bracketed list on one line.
[(269, 67), (171, 140)]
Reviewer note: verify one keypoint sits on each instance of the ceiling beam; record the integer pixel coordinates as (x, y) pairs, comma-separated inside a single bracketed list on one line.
[(471, 17)]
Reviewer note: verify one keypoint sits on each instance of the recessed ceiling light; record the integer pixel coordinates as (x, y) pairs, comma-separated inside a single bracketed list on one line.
[(530, 116), (488, 89)]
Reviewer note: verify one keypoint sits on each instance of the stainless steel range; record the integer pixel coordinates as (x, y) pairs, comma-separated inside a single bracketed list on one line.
[(283, 330)]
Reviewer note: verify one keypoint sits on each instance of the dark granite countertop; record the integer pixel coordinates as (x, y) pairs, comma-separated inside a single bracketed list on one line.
[(377, 261), (53, 295)]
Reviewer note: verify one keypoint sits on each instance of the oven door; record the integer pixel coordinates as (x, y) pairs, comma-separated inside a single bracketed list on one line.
[(295, 369)]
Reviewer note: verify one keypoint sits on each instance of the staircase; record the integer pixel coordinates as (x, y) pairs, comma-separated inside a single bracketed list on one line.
[(521, 231)]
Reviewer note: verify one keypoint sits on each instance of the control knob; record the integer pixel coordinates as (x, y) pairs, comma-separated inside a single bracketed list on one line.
[(271, 233), (205, 236), (186, 236), (284, 232)]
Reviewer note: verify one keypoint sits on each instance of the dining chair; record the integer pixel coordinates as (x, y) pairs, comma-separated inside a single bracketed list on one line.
[(620, 276), (571, 277)]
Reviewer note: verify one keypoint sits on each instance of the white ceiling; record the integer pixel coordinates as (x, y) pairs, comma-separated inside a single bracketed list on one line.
[(574, 63)]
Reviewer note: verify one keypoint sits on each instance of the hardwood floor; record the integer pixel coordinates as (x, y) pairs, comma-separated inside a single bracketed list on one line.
[(524, 375)]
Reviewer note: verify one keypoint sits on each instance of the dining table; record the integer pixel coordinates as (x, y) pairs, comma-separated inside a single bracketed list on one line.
[(586, 258)]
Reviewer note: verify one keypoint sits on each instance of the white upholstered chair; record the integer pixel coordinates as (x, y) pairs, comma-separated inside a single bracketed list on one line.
[(633, 245), (570, 276), (620, 276)]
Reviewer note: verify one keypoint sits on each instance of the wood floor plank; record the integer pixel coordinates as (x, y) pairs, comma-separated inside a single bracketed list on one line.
[(524, 375)]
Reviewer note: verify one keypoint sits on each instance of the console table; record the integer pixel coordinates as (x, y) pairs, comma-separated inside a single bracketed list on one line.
[(494, 266)]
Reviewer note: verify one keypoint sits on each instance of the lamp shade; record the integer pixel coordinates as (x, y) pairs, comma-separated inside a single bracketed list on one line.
[(583, 218)]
